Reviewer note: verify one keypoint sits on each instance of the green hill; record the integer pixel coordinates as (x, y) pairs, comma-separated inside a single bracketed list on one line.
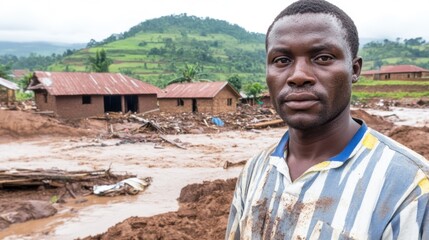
[(414, 51), (157, 50), (24, 49)]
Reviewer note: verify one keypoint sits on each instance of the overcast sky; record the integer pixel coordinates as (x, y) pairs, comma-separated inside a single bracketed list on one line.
[(78, 21)]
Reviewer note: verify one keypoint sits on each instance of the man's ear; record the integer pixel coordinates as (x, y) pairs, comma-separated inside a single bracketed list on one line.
[(357, 67)]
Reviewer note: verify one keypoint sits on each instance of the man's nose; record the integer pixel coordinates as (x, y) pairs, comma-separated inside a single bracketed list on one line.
[(302, 73)]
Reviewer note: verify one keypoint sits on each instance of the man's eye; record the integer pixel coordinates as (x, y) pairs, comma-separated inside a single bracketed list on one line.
[(324, 58), (282, 60)]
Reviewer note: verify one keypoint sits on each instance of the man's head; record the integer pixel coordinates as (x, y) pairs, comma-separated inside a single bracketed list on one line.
[(311, 64), (321, 6)]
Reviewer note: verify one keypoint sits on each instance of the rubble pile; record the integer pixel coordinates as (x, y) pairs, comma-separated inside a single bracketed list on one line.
[(246, 117)]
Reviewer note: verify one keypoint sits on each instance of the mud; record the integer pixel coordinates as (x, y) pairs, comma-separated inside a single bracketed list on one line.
[(203, 211), (163, 211)]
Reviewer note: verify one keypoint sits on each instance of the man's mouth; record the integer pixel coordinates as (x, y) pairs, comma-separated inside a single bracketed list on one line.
[(301, 101)]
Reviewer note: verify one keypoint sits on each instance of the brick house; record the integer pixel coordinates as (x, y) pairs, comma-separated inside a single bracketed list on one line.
[(7, 91), (398, 72), (79, 95), (207, 97)]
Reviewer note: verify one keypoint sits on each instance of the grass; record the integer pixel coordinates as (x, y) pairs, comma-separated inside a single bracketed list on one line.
[(367, 82), (389, 95)]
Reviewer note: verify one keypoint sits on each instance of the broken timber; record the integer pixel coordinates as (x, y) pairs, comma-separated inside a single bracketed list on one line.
[(54, 178), (274, 122)]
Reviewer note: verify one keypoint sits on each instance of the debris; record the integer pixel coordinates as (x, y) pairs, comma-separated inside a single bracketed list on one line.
[(267, 123), (146, 124), (172, 142), (217, 121), (51, 177), (229, 164), (128, 186)]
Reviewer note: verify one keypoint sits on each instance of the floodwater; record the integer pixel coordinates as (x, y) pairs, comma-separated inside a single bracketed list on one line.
[(416, 117), (99, 213), (171, 169)]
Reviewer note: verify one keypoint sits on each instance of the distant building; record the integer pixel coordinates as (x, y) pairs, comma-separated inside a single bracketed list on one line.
[(206, 97), (7, 91), (79, 95), (264, 99), (398, 72), (17, 74)]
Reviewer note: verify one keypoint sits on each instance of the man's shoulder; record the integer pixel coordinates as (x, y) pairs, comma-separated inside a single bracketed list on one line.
[(403, 156)]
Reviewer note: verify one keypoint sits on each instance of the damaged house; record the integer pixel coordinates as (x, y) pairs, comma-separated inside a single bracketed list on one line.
[(7, 91), (79, 95), (205, 97)]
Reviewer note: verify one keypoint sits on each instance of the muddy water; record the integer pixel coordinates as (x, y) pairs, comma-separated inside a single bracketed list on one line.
[(171, 169), (417, 117), (99, 213)]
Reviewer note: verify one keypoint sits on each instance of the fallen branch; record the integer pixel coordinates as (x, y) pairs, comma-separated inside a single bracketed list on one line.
[(265, 123), (171, 142)]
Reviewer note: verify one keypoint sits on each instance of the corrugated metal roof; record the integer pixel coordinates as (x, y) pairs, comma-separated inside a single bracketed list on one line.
[(8, 84), (397, 69), (80, 83), (195, 90), (19, 73)]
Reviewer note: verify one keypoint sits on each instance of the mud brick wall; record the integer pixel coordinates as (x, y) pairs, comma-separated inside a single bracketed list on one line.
[(170, 105), (220, 103), (402, 76), (3, 94), (205, 105), (71, 107), (49, 105), (147, 102)]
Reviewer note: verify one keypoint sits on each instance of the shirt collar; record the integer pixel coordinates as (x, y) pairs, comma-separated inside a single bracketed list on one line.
[(341, 157)]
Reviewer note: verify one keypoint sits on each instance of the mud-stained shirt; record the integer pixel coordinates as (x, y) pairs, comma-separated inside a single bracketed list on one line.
[(375, 188)]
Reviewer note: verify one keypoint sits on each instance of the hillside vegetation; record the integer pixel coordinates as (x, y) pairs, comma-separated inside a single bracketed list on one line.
[(156, 50), (413, 51)]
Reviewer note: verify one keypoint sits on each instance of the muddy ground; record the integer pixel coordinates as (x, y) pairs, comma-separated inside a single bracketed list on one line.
[(186, 162)]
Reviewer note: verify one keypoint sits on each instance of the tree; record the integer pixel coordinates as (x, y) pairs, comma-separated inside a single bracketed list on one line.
[(189, 74), (235, 81), (100, 63), (4, 71), (253, 90)]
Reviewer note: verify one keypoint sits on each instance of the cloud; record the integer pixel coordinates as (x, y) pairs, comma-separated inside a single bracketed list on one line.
[(82, 20)]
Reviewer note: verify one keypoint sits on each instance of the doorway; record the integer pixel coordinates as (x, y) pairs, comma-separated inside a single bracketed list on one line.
[(131, 103), (112, 103), (194, 105)]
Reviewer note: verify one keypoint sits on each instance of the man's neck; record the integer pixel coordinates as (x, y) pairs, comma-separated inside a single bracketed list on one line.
[(310, 147)]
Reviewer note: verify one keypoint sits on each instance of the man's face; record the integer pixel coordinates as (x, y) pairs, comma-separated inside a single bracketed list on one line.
[(309, 69)]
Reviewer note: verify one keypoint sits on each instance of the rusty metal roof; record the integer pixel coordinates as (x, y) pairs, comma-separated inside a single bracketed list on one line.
[(397, 69), (195, 90), (19, 73), (80, 83), (8, 84)]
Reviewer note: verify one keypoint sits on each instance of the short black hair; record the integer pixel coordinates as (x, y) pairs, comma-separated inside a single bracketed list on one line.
[(321, 6)]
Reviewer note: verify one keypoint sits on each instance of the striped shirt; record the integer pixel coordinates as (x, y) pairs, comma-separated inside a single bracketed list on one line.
[(375, 188)]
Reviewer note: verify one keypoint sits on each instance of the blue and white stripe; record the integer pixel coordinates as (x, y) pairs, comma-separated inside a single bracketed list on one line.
[(374, 189)]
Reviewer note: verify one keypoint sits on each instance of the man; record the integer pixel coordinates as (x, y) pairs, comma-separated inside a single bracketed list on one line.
[(330, 176)]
